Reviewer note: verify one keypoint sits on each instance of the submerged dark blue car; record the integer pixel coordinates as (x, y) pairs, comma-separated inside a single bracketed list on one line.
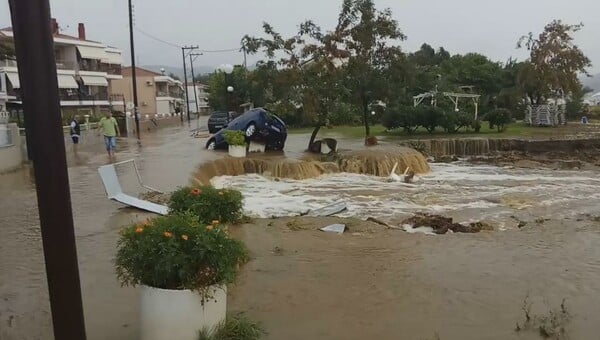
[(259, 125)]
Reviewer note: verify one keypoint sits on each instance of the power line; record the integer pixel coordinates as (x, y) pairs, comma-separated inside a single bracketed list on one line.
[(157, 39), (237, 49)]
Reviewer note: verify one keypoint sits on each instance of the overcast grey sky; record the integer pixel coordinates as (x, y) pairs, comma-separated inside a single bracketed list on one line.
[(488, 27)]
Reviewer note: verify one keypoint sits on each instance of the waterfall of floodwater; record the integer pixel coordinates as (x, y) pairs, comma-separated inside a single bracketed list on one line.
[(380, 162), (458, 147), (377, 161)]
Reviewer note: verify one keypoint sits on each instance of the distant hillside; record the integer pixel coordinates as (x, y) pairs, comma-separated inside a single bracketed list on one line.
[(178, 71), (592, 82)]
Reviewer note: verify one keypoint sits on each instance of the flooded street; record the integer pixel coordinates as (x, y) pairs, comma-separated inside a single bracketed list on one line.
[(305, 284)]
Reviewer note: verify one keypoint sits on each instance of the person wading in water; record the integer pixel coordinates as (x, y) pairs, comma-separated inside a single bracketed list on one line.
[(110, 129), (75, 132)]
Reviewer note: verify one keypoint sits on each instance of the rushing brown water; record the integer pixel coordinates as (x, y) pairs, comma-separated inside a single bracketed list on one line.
[(367, 283), (376, 161)]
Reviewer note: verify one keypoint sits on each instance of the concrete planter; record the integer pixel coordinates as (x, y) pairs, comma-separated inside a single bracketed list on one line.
[(238, 151), (256, 147), (179, 314)]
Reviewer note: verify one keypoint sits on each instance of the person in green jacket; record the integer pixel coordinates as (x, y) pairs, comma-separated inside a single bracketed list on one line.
[(110, 129)]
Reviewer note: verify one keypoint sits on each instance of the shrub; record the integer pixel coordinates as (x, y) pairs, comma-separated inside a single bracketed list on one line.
[(238, 327), (178, 252), (499, 118), (234, 137), (208, 203), (430, 117), (391, 119), (449, 121)]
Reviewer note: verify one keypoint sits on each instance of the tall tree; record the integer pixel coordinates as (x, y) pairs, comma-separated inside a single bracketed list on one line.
[(219, 98), (7, 50), (554, 62), (306, 70), (368, 37)]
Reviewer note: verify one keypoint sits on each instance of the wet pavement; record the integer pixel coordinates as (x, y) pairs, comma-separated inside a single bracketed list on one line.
[(380, 284)]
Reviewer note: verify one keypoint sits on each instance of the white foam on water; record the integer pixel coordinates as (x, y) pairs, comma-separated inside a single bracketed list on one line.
[(476, 192), (420, 230)]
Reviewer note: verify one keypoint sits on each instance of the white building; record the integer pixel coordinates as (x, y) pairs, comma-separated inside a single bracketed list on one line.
[(85, 70), (201, 97)]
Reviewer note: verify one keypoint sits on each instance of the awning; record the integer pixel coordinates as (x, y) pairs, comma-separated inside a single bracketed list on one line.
[(66, 81), (88, 52), (94, 81), (14, 80), (113, 58)]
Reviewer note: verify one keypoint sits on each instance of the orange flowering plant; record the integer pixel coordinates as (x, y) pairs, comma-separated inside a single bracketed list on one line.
[(178, 252), (208, 203)]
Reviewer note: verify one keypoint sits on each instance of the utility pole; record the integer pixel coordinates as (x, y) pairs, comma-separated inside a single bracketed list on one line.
[(187, 97), (133, 78), (193, 81), (34, 47)]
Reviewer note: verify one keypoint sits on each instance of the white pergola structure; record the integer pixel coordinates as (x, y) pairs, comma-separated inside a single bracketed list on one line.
[(454, 97)]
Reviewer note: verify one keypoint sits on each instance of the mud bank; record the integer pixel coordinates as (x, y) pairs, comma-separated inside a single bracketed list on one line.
[(376, 283), (485, 146)]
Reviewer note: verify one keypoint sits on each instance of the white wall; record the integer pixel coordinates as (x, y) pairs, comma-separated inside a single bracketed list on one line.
[(11, 156), (162, 106)]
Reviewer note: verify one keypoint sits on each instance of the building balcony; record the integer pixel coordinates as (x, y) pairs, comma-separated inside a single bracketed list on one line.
[(111, 69), (65, 65), (90, 65), (60, 64)]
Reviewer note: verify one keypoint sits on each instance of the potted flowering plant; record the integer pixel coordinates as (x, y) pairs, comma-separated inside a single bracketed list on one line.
[(237, 143), (208, 203), (183, 267)]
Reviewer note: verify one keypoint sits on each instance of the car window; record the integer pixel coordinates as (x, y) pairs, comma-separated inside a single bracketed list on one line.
[(219, 115)]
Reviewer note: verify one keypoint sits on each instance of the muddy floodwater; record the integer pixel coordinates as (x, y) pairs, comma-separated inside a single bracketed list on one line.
[(301, 283)]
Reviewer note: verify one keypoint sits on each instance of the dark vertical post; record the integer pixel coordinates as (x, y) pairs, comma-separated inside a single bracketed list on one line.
[(194, 84), (187, 98), (37, 72), (226, 99), (133, 78)]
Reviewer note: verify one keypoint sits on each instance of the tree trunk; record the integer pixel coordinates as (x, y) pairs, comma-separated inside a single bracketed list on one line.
[(313, 136), (366, 117)]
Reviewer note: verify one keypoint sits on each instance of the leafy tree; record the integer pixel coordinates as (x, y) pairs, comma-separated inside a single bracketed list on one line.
[(306, 71), (554, 62), (510, 95), (575, 105), (367, 35), (7, 50), (476, 70), (202, 78), (220, 98), (174, 76)]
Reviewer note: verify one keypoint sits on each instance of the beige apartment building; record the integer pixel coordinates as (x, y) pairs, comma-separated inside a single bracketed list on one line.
[(86, 70), (158, 94)]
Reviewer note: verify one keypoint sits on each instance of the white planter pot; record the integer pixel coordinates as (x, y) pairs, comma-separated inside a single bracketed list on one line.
[(238, 151), (179, 314), (256, 147)]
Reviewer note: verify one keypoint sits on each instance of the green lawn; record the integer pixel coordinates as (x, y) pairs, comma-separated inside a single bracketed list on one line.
[(512, 130)]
